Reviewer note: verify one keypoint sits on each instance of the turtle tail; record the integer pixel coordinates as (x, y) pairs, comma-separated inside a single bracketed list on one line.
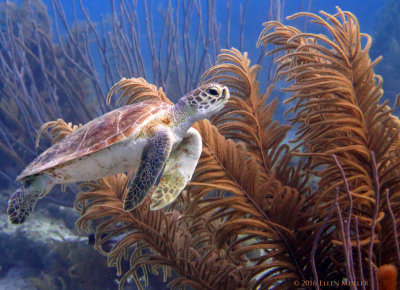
[(21, 204)]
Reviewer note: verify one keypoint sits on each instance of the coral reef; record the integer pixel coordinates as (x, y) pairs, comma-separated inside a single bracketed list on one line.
[(250, 217), (259, 211), (55, 66), (46, 254)]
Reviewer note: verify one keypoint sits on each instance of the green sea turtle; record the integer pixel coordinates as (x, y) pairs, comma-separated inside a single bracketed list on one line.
[(152, 138)]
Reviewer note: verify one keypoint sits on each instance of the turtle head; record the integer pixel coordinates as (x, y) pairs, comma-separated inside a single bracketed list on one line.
[(204, 101)]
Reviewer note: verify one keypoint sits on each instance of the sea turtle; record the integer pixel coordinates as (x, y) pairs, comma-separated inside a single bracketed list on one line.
[(152, 138)]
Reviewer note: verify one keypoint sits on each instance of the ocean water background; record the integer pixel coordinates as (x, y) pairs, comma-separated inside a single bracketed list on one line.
[(48, 252), (370, 15), (257, 12)]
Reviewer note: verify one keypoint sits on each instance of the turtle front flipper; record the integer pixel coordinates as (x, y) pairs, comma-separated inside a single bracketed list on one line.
[(178, 170), (153, 158), (21, 204)]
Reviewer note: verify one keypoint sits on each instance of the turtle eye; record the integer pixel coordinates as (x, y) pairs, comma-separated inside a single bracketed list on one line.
[(212, 92)]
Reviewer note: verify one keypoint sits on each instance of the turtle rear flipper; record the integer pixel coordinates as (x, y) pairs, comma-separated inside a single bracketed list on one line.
[(23, 200), (21, 204)]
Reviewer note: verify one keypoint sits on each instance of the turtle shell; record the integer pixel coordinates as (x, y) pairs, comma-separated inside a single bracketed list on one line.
[(95, 135)]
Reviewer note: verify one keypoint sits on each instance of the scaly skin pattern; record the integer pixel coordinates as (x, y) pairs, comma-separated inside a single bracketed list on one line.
[(154, 155), (21, 204)]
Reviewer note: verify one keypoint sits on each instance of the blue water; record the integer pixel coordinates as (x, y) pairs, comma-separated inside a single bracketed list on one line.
[(257, 13), (33, 261)]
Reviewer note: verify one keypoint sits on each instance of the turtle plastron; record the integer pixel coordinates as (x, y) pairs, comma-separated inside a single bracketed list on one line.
[(178, 171)]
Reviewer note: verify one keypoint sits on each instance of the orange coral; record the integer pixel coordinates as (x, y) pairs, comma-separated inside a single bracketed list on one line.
[(387, 277)]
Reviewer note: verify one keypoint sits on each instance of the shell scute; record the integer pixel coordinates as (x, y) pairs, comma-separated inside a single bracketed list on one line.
[(115, 139), (95, 135), (128, 131)]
